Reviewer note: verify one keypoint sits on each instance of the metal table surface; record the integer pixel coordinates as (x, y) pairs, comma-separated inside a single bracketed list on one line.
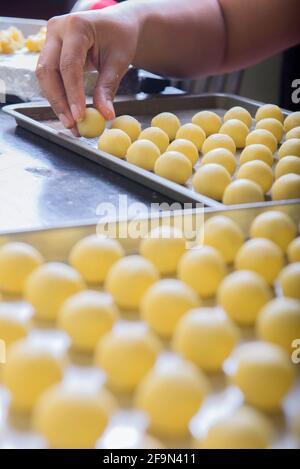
[(42, 184)]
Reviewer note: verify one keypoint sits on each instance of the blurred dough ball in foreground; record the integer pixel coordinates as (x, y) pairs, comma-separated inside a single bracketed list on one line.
[(286, 187), (93, 256), (193, 133), (246, 428), (259, 172), (164, 246), (290, 147), (206, 337), (287, 165), (209, 121), (242, 294), (218, 141), (269, 111), (171, 396), (156, 136), (168, 122), (237, 130), (186, 147), (240, 113), (279, 322), (17, 261), (72, 418), (263, 137), (211, 180), (223, 234), (12, 326), (264, 373), (262, 256), (92, 125), (86, 317), (293, 251), (273, 125), (221, 156), (257, 151), (242, 191), (115, 142), (202, 269), (174, 166), (293, 133), (289, 281), (292, 121), (128, 280), (165, 303), (126, 356), (49, 286), (29, 370), (143, 153), (274, 225), (129, 125)]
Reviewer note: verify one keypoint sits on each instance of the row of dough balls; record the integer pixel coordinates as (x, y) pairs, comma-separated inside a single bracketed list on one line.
[(151, 150), (12, 40)]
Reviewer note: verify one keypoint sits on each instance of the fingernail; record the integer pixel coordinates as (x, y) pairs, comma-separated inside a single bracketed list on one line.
[(110, 110), (76, 113), (64, 120), (75, 132)]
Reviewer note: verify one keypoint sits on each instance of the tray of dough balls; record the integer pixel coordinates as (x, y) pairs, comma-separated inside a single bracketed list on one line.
[(149, 341), (214, 149)]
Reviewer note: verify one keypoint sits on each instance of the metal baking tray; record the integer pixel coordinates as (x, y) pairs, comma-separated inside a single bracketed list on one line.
[(40, 119), (128, 424)]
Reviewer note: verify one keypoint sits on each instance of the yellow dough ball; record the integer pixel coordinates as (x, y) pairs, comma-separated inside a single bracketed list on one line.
[(269, 111), (257, 151), (209, 121), (237, 130), (240, 113), (29, 370), (174, 166), (264, 373), (246, 428), (86, 317), (225, 235), (115, 142), (292, 121), (143, 153), (286, 187), (203, 269), (129, 125), (221, 156), (206, 337), (242, 294), (279, 322), (12, 326), (126, 356), (17, 261), (259, 172), (165, 303), (72, 418), (289, 280), (49, 286), (193, 133), (218, 141), (290, 147), (273, 125), (164, 246), (92, 125), (293, 250), (171, 397), (287, 165), (187, 148), (276, 226), (262, 256), (242, 191), (93, 256), (156, 136), (167, 122), (211, 180), (263, 137), (128, 280), (293, 133)]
